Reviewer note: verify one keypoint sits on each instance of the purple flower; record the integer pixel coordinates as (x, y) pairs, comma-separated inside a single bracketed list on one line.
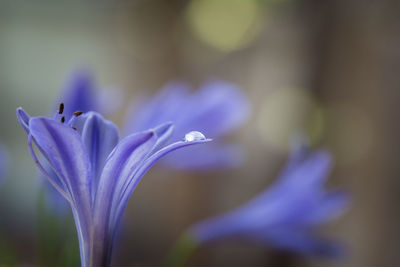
[(3, 162), (95, 171), (79, 94), (216, 110), (285, 215)]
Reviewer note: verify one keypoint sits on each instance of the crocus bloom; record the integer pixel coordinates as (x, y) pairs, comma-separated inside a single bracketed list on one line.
[(216, 109), (285, 215), (96, 172)]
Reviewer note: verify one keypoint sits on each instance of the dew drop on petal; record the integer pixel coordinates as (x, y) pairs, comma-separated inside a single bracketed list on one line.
[(194, 136)]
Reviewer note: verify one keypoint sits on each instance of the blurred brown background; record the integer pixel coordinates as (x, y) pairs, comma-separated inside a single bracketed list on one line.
[(330, 67)]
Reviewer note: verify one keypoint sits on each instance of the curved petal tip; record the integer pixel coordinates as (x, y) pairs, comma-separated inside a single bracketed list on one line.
[(23, 118)]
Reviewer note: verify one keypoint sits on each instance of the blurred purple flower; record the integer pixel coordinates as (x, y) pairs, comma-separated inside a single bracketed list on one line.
[(285, 215), (216, 110), (96, 172), (81, 93), (3, 162)]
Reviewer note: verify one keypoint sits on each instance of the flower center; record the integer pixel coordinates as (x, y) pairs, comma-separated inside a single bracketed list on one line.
[(61, 111)]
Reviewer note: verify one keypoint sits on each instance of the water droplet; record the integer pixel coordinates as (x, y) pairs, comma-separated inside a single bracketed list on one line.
[(194, 136)]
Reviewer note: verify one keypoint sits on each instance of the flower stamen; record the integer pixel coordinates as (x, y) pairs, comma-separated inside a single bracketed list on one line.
[(61, 108), (78, 113)]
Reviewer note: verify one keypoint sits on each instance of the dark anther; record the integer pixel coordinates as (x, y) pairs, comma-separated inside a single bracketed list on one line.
[(62, 119), (61, 109), (73, 127), (78, 113)]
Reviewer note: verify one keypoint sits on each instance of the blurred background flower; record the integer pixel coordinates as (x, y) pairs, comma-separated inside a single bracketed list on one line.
[(216, 109), (4, 161), (285, 216), (328, 67)]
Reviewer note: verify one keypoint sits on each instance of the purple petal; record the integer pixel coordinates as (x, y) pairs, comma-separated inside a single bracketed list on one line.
[(151, 112), (4, 160), (125, 159), (164, 151), (63, 148), (100, 137), (145, 166), (79, 93), (284, 215), (137, 174), (65, 152), (330, 206), (215, 110), (300, 241), (23, 118), (211, 156), (310, 173), (48, 172), (163, 133)]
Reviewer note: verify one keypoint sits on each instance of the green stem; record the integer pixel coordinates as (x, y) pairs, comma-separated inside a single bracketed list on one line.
[(181, 252), (57, 242)]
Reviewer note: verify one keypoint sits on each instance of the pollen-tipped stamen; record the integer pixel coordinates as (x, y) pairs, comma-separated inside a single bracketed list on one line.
[(78, 113), (61, 108)]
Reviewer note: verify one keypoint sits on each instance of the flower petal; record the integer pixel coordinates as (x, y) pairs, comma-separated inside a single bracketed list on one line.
[(309, 174), (211, 156), (125, 159), (163, 133), (64, 150), (163, 107), (79, 93), (331, 206), (145, 166), (23, 118), (215, 110), (300, 241), (100, 137), (48, 172), (130, 173), (4, 160)]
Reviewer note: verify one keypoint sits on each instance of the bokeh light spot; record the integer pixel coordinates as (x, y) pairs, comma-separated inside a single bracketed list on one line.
[(288, 112), (225, 24)]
